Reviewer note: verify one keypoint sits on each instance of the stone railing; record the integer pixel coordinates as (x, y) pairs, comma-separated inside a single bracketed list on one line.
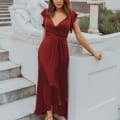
[(25, 17), (94, 86)]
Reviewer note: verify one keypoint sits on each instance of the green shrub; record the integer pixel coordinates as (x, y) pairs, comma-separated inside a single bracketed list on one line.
[(84, 23), (107, 28), (109, 22)]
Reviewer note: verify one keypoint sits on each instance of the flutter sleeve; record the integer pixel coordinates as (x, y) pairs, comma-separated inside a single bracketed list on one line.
[(73, 18), (43, 14)]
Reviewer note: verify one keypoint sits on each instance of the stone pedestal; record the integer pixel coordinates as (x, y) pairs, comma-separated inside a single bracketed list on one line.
[(94, 10)]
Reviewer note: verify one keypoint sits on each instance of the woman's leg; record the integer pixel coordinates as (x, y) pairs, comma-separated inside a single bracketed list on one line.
[(49, 114)]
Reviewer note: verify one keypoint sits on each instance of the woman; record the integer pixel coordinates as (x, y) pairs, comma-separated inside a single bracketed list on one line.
[(53, 58)]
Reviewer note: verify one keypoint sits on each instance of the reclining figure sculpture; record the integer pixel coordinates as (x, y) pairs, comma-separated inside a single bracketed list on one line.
[(25, 17)]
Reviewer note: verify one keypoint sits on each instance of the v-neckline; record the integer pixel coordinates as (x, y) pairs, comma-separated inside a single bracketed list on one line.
[(56, 25)]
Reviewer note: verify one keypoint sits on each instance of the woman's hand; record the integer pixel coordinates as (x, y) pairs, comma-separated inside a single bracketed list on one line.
[(97, 55), (82, 40)]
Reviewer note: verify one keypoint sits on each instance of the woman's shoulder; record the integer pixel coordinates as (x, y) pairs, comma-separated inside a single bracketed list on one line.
[(44, 11), (73, 18), (73, 13)]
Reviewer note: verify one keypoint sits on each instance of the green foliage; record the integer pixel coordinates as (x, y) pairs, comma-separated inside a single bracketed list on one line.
[(84, 23), (109, 22)]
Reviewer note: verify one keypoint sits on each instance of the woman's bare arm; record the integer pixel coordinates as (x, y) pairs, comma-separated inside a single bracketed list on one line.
[(81, 39)]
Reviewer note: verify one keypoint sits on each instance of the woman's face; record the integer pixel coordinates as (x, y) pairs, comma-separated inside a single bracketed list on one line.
[(58, 3)]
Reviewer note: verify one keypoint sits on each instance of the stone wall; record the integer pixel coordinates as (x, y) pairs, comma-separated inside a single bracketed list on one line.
[(81, 7)]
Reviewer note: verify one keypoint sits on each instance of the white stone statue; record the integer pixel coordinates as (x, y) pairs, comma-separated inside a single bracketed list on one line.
[(25, 17)]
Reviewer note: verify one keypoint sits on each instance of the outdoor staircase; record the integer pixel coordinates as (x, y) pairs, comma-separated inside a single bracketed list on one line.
[(17, 94), (4, 12)]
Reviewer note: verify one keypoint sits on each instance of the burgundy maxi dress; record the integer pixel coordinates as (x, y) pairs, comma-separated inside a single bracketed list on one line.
[(53, 61)]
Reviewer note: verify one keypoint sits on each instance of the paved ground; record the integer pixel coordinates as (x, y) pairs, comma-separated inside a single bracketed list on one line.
[(5, 31)]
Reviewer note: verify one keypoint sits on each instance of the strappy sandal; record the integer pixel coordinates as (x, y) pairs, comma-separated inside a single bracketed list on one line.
[(48, 117)]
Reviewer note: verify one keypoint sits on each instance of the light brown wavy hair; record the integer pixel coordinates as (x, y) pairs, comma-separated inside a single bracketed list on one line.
[(66, 8)]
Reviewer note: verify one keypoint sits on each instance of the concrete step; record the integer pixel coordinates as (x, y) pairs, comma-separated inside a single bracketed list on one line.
[(33, 117), (4, 15), (4, 12), (17, 109), (6, 3), (7, 0), (5, 23), (36, 117), (4, 55), (9, 70), (15, 89), (2, 19), (4, 6), (4, 9)]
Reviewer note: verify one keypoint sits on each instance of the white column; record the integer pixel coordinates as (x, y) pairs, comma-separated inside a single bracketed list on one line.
[(94, 10)]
